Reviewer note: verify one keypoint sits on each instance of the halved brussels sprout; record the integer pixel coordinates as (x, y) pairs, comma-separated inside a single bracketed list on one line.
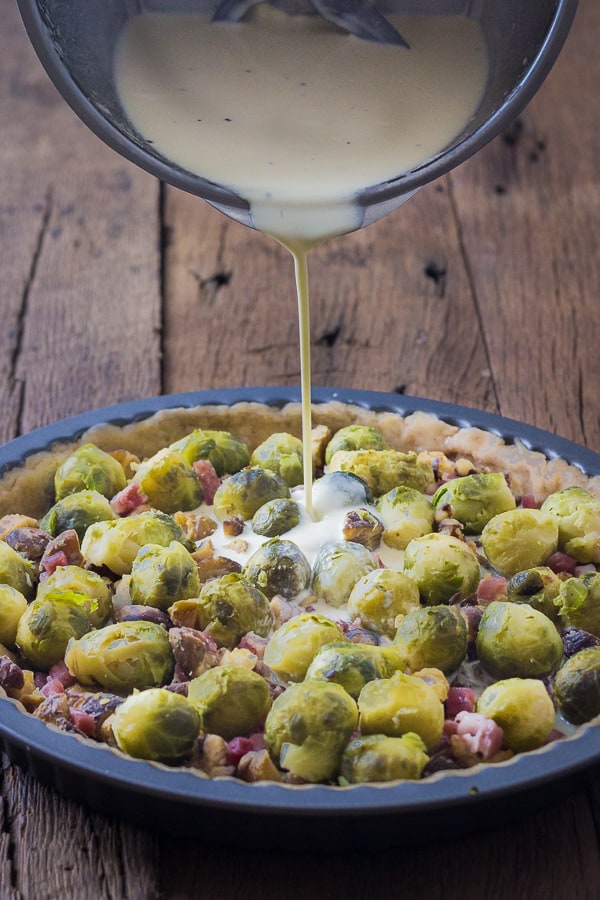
[(377, 757), (308, 727), (278, 567), (516, 640), (578, 602), (442, 566), (276, 517), (353, 665), (231, 700), (47, 626), (576, 514), (12, 606), (89, 468), (538, 587), (577, 686), (383, 470), (231, 606), (77, 511), (16, 571), (115, 544), (88, 584), (338, 567), (122, 657), (338, 490), (475, 499), (522, 708), (244, 493), (162, 575), (432, 636), (406, 514), (156, 724), (519, 539), (281, 453), (380, 596), (169, 482), (293, 646), (226, 453), (355, 437), (401, 704)]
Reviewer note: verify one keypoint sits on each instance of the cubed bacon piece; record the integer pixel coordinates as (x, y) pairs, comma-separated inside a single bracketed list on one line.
[(236, 748), (561, 562), (460, 699), (63, 550), (83, 722), (60, 672), (53, 686), (254, 643), (528, 501), (208, 478), (491, 587), (88, 712), (480, 734), (128, 499)]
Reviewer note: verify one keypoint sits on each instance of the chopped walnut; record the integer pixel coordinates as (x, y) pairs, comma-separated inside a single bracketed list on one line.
[(282, 609), (212, 758), (257, 765), (206, 550), (238, 657), (29, 695), (128, 460), (452, 527), (196, 527), (216, 567), (194, 651), (238, 546), (436, 680), (320, 437)]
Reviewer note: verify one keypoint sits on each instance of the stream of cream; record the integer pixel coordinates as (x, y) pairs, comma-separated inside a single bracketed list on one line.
[(298, 117)]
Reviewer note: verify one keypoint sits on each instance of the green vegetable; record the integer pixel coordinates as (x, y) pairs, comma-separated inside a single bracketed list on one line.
[(226, 453), (353, 665), (169, 482), (162, 575), (577, 686), (88, 584), (475, 499), (519, 539), (12, 606), (380, 596), (401, 704), (16, 571), (295, 644), (281, 453), (383, 470), (522, 708), (442, 566), (432, 637), (156, 724), (355, 437), (115, 544), (89, 469), (338, 567), (77, 511), (406, 514), (376, 757), (231, 606), (279, 567), (576, 514), (49, 624), (578, 602), (244, 493), (231, 700), (276, 517), (538, 587), (516, 640)]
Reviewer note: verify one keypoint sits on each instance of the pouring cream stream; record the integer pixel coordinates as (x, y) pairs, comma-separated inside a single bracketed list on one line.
[(298, 117)]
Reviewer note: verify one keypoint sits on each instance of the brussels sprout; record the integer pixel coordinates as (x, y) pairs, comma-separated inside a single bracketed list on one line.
[(244, 493), (77, 511), (401, 704), (519, 539), (353, 665), (281, 453), (338, 567), (432, 636), (278, 567), (169, 481), (156, 724), (379, 597), (578, 602), (406, 514), (355, 437), (576, 513), (308, 727), (12, 606), (442, 566), (122, 657), (516, 640), (384, 469), (376, 757), (338, 490), (577, 686), (16, 571), (162, 575), (538, 587), (88, 584), (231, 606), (231, 700), (47, 626), (226, 453), (89, 469), (523, 710), (115, 544), (276, 517), (475, 499), (293, 646)]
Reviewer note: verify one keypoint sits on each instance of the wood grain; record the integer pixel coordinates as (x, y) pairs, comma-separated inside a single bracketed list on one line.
[(483, 290)]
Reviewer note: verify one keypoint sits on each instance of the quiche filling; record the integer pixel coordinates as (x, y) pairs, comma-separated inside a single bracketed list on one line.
[(438, 609)]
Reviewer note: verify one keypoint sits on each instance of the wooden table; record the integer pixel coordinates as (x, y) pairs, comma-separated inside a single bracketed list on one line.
[(483, 290)]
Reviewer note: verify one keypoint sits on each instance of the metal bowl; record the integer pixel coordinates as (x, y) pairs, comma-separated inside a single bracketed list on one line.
[(268, 815)]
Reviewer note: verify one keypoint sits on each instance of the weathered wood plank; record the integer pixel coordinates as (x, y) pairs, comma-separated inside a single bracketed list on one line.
[(529, 212)]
